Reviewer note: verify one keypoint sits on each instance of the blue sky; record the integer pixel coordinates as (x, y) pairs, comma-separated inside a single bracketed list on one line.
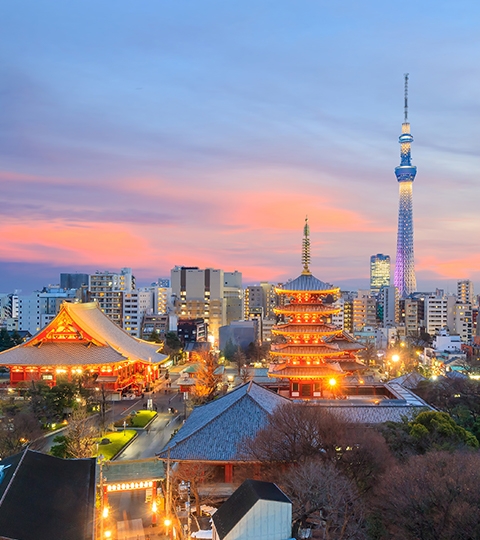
[(157, 133)]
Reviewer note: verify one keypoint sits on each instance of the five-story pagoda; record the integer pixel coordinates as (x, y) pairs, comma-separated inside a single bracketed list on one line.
[(315, 355)]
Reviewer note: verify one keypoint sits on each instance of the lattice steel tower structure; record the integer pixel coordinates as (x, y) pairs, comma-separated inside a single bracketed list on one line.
[(405, 264)]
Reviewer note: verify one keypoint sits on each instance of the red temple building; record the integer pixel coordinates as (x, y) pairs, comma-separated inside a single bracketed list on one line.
[(82, 340), (315, 355)]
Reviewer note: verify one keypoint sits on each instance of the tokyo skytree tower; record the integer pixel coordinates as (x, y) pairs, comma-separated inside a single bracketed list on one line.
[(405, 173)]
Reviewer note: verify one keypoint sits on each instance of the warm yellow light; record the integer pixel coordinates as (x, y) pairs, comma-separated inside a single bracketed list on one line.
[(402, 344), (154, 507), (167, 522), (332, 382), (395, 358), (105, 512), (108, 534), (360, 381)]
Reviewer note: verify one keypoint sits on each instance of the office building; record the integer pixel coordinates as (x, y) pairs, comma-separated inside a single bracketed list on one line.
[(465, 292), (379, 273)]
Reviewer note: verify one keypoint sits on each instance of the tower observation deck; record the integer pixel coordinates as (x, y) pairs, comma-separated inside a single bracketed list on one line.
[(405, 263)]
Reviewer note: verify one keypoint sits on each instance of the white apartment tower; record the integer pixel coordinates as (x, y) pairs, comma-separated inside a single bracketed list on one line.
[(108, 288), (439, 313), (465, 291)]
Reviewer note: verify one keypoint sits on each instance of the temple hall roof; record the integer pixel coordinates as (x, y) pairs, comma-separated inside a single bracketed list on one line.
[(307, 308), (303, 349), (96, 340), (215, 431)]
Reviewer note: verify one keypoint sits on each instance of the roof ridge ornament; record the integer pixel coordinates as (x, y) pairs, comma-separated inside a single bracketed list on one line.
[(306, 249)]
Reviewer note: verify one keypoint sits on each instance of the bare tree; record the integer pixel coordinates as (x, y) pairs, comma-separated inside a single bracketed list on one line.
[(431, 497), (18, 430), (196, 474), (207, 378), (80, 436), (321, 494)]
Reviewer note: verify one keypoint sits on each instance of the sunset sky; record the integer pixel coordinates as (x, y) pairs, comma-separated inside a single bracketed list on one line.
[(197, 132)]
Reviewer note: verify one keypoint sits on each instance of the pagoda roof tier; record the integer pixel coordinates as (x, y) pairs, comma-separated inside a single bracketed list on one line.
[(307, 283), (324, 309), (345, 342), (303, 349), (305, 372), (81, 334), (305, 328)]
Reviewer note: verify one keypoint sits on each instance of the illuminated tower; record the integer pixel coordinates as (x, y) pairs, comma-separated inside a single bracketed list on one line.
[(405, 173)]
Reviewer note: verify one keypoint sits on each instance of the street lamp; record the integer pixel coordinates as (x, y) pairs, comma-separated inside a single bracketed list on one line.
[(395, 358), (332, 382)]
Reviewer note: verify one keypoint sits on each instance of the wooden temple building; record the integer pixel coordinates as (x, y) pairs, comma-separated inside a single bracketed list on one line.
[(315, 355), (82, 340)]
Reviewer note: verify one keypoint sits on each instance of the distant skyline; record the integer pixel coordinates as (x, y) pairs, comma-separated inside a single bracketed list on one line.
[(201, 133)]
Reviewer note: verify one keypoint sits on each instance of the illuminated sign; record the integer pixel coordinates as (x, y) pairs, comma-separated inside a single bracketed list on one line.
[(128, 486)]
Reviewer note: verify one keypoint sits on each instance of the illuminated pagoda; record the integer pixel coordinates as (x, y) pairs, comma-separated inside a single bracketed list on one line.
[(315, 355), (82, 340)]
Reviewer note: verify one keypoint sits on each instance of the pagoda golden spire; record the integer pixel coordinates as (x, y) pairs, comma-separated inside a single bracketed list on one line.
[(306, 249)]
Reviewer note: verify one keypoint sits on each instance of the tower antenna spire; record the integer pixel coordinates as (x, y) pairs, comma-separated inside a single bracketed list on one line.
[(306, 248), (406, 98)]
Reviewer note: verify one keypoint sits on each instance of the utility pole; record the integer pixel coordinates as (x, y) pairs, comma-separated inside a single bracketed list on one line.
[(189, 513)]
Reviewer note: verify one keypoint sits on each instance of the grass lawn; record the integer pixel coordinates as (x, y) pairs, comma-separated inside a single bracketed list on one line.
[(117, 441), (139, 420)]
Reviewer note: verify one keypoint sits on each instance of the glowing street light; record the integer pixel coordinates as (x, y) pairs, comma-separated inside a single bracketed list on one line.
[(167, 522), (332, 382), (105, 512), (395, 358)]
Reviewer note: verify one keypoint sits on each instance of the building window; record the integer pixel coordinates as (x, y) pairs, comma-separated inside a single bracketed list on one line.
[(295, 387)]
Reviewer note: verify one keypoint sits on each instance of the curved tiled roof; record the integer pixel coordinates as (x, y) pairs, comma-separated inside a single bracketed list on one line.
[(307, 308), (111, 343), (215, 431), (315, 328), (304, 349), (306, 283), (60, 354), (312, 371)]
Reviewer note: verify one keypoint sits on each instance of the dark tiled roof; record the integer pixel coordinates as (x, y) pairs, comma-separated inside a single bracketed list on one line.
[(242, 501), (307, 283), (215, 431), (44, 497)]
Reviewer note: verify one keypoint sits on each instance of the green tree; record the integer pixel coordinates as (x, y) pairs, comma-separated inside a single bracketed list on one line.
[(430, 430), (6, 342), (229, 350)]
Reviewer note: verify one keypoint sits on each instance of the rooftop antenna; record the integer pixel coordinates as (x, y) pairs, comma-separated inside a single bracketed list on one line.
[(406, 98)]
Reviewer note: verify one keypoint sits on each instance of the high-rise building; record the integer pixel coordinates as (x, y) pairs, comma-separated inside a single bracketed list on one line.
[(108, 288), (463, 321), (264, 296), (390, 306), (379, 272), (405, 263), (200, 294), (73, 281), (41, 307), (465, 292), (233, 293), (136, 304), (439, 313), (364, 310)]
